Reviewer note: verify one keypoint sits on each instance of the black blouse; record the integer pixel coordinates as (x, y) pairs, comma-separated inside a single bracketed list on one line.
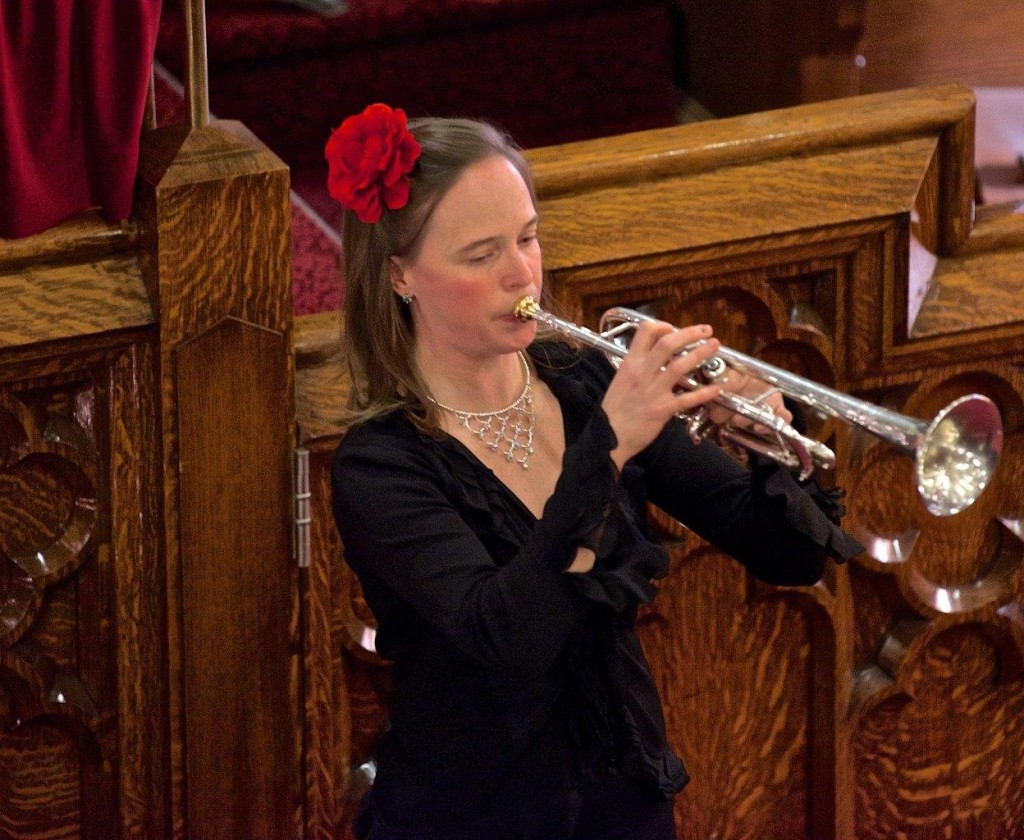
[(510, 674)]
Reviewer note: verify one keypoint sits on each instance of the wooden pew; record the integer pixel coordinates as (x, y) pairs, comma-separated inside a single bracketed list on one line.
[(838, 240)]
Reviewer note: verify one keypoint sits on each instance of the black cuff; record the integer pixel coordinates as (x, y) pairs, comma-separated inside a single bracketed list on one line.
[(583, 495), (810, 509)]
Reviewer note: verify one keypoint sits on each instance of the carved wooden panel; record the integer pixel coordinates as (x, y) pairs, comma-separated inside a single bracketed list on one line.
[(939, 636), (76, 586), (889, 294), (51, 536), (121, 659), (747, 674), (933, 609)]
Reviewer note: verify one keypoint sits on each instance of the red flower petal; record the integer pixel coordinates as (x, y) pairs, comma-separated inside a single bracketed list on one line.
[(370, 156), (397, 195)]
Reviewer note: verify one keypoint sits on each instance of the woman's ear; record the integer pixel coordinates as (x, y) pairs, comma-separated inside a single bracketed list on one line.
[(397, 270)]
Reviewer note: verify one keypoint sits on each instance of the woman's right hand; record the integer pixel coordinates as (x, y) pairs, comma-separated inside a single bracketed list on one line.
[(647, 390)]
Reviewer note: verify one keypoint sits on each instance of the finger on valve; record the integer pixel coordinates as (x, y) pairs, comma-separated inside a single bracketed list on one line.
[(689, 360), (757, 393)]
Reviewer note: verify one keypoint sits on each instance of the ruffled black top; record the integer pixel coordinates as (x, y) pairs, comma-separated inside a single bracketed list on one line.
[(511, 675)]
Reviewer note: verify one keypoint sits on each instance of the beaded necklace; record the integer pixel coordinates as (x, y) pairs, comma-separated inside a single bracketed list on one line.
[(510, 428)]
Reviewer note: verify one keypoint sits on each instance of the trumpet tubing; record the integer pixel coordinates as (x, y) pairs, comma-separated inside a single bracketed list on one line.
[(955, 454)]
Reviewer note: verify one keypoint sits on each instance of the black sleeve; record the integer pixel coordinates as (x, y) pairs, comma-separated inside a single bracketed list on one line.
[(399, 524), (782, 532)]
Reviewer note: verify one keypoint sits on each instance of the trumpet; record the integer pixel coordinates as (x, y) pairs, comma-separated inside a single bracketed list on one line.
[(955, 454)]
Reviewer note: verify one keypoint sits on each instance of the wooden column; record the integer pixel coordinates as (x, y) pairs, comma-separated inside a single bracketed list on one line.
[(215, 206)]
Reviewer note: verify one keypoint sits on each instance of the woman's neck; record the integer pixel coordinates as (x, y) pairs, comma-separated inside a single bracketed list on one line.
[(469, 384)]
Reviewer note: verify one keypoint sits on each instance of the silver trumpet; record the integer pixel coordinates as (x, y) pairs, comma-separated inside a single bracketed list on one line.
[(955, 454)]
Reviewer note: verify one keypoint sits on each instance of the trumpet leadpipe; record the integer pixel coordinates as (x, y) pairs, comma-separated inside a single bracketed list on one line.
[(527, 309)]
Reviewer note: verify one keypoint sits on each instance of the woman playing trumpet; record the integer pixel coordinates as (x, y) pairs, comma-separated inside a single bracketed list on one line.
[(491, 494)]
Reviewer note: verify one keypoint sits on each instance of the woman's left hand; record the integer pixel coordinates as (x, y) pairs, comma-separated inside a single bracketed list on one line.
[(753, 390)]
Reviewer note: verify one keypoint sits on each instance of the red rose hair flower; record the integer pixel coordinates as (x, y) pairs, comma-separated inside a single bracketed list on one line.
[(370, 156)]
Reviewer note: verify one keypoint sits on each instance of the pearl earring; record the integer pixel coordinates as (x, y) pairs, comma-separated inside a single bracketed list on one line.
[(406, 299)]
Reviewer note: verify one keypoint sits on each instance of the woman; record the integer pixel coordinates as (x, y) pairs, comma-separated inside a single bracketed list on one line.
[(491, 496)]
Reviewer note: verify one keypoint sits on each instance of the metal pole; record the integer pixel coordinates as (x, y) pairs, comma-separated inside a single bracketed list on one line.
[(197, 86)]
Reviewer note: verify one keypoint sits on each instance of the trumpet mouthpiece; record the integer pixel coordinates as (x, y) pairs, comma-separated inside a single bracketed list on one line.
[(526, 308)]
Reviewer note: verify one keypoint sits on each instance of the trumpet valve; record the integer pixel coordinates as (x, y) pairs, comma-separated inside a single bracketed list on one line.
[(714, 368), (699, 424)]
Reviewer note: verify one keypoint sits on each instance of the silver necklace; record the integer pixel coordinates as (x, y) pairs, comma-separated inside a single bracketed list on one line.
[(510, 428)]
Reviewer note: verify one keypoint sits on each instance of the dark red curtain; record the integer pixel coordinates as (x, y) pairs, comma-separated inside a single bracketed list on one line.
[(73, 80)]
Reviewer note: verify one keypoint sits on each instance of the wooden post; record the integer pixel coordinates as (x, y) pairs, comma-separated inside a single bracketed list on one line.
[(215, 205)]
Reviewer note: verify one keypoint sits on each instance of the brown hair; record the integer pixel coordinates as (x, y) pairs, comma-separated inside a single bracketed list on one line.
[(378, 334)]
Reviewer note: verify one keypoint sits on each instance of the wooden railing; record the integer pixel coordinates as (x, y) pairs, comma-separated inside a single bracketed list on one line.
[(167, 671)]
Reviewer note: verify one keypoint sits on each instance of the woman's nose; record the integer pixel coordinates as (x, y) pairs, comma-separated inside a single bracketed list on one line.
[(519, 271)]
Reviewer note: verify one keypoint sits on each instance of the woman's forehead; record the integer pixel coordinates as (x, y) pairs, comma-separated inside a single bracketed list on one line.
[(489, 191)]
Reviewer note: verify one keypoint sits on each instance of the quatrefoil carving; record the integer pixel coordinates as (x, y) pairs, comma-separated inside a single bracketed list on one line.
[(959, 565), (943, 672), (943, 576), (48, 511)]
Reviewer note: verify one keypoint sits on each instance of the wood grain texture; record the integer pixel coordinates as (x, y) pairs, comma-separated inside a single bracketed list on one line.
[(82, 239), (741, 201), (321, 378), (239, 701), (213, 196), (787, 132), (942, 757), (332, 696), (96, 736), (53, 302), (214, 211), (59, 715), (747, 659), (327, 707), (973, 292), (138, 581)]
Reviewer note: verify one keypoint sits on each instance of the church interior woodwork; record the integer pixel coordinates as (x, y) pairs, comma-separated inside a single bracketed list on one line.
[(171, 666)]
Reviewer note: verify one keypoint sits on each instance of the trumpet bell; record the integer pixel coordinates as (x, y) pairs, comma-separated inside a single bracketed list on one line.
[(958, 454)]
